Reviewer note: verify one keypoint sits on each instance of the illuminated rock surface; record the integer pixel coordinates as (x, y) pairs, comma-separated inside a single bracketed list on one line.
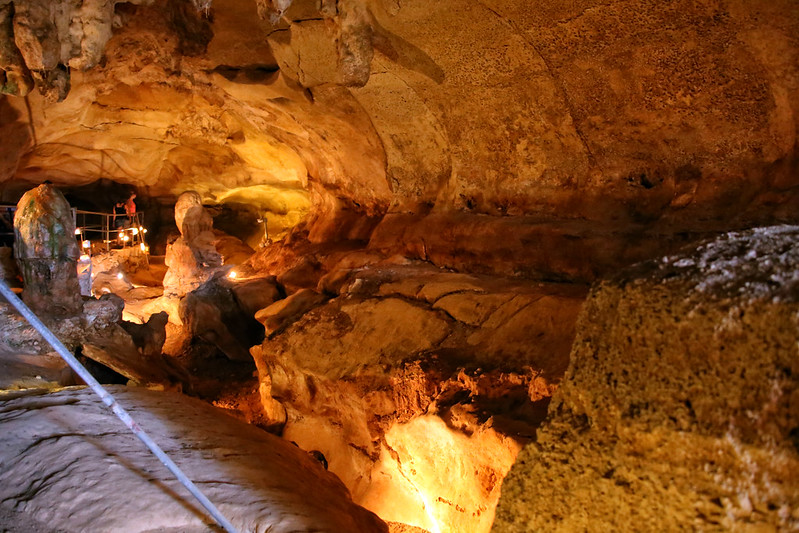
[(430, 187), (70, 465), (680, 407), (486, 118), (419, 385)]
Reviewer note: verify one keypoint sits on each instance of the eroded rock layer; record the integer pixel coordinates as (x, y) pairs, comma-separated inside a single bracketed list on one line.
[(680, 407), (419, 385)]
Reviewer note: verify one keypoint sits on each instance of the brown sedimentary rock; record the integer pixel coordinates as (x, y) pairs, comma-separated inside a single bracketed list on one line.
[(149, 337), (47, 252), (679, 408), (399, 378), (257, 480), (255, 294), (282, 312), (213, 313)]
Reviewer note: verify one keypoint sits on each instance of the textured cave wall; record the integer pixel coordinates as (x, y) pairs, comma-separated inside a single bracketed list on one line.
[(680, 408), (631, 109), (652, 121)]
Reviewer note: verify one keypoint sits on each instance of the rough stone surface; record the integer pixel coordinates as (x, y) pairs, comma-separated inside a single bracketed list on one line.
[(256, 293), (69, 463), (47, 252), (394, 389), (192, 259), (679, 407), (282, 312), (149, 337), (213, 313)]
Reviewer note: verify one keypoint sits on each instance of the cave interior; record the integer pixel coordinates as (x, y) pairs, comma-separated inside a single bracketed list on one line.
[(402, 266)]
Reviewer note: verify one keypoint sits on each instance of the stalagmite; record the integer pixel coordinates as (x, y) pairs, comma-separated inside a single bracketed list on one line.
[(47, 252)]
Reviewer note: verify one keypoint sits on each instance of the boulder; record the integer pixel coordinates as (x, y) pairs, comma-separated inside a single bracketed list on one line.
[(68, 462), (679, 409), (282, 312), (103, 311), (256, 293), (149, 337)]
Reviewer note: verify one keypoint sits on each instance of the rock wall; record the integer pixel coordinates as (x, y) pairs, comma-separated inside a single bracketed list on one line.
[(679, 409)]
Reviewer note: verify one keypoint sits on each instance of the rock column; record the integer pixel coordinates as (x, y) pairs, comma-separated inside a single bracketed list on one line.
[(192, 259), (47, 252)]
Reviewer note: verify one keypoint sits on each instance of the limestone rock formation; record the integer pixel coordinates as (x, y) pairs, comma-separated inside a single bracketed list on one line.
[(213, 313), (149, 337), (47, 252), (282, 312), (69, 463), (192, 259), (680, 407), (254, 294), (401, 377)]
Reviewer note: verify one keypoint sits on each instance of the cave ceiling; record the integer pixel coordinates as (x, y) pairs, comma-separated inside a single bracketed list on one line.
[(681, 113)]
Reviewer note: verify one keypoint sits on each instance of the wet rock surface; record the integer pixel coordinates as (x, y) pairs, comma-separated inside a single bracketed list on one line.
[(679, 407), (70, 465)]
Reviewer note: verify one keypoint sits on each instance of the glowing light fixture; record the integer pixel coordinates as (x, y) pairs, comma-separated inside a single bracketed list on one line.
[(77, 231), (142, 247), (232, 274), (135, 231), (125, 238), (87, 244), (120, 276)]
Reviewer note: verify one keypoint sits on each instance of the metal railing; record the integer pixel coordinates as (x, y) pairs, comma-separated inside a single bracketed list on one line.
[(97, 231), (107, 231)]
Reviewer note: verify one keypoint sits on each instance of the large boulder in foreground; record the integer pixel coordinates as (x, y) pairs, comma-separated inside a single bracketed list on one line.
[(67, 461), (680, 407)]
